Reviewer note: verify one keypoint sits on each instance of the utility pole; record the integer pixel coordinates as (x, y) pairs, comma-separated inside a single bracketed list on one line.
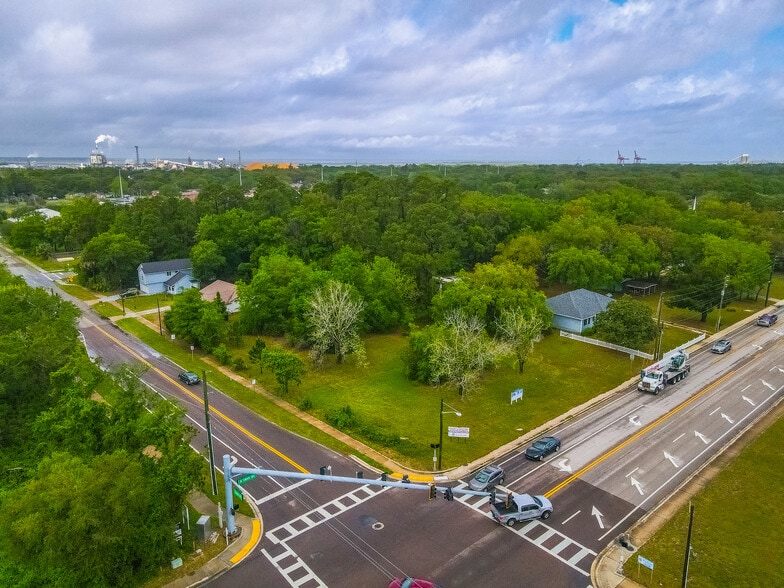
[(239, 164), (685, 577), (209, 433), (721, 303), (770, 279), (660, 326)]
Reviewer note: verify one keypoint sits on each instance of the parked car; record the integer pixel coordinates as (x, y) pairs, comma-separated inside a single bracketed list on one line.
[(543, 447), (189, 378), (767, 320), (412, 583), (487, 477), (129, 293)]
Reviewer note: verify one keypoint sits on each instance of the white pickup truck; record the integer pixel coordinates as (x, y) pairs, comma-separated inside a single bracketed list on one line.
[(514, 508)]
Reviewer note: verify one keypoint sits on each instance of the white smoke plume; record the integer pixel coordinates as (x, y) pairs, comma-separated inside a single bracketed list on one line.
[(105, 139)]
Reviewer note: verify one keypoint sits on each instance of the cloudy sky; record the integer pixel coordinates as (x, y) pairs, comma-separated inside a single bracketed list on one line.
[(386, 81)]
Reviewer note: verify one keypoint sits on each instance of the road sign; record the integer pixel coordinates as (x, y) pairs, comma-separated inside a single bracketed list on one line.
[(246, 478), (458, 432), (645, 562)]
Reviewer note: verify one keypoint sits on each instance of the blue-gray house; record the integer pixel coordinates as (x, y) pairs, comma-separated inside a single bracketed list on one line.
[(172, 276), (575, 311)]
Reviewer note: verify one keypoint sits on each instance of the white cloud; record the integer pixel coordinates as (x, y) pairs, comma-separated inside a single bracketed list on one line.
[(368, 79)]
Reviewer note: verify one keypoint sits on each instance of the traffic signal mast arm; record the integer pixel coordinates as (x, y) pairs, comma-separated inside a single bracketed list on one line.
[(230, 470)]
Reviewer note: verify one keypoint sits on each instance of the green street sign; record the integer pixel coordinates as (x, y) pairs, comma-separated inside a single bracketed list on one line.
[(237, 494), (246, 478)]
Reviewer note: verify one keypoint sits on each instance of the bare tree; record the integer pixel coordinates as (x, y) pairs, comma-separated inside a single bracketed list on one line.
[(521, 329), (463, 351), (333, 319)]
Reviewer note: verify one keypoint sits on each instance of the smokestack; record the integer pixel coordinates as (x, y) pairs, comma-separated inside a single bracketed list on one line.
[(137, 155)]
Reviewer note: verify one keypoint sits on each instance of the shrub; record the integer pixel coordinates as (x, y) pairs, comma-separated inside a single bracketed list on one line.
[(221, 353), (342, 418)]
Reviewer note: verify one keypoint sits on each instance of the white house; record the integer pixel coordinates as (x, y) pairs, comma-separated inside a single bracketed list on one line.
[(172, 276)]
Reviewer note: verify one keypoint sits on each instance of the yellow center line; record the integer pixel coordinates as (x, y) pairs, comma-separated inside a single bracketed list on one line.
[(636, 436), (200, 400)]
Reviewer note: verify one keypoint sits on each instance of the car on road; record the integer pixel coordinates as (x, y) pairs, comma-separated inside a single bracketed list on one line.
[(487, 477), (412, 583), (721, 346), (767, 320), (543, 447), (130, 292), (189, 378)]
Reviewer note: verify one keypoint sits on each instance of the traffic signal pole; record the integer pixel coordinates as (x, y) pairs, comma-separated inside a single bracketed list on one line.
[(230, 470)]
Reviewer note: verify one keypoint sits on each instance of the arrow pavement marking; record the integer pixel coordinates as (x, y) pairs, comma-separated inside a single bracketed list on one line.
[(635, 420), (701, 436), (671, 458), (764, 383), (778, 368), (595, 513), (728, 419), (749, 400), (637, 485), (759, 347), (563, 465)]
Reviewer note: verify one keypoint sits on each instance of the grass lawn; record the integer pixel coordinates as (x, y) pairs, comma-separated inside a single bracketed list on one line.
[(738, 545), (401, 418)]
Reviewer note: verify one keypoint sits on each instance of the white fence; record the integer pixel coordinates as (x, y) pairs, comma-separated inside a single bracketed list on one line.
[(612, 346), (628, 350)]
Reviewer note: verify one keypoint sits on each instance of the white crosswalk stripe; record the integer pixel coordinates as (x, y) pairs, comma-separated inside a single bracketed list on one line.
[(536, 532)]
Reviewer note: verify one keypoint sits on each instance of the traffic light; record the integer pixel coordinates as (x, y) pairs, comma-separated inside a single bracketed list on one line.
[(448, 495), (234, 509), (433, 491), (492, 496), (323, 471)]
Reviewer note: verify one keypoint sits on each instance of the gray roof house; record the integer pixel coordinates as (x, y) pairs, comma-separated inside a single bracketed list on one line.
[(172, 276), (575, 311)]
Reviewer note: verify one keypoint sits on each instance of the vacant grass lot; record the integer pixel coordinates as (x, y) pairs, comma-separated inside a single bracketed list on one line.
[(736, 535), (559, 374)]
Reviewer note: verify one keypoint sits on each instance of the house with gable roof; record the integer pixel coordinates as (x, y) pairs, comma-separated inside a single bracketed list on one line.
[(172, 276), (576, 311), (227, 292)]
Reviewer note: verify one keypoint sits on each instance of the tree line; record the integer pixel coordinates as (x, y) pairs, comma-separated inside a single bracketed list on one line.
[(95, 469)]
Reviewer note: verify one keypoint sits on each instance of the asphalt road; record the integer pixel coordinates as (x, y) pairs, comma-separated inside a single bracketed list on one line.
[(619, 460)]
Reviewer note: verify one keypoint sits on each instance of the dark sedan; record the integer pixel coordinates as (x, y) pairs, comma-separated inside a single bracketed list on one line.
[(189, 378), (543, 447)]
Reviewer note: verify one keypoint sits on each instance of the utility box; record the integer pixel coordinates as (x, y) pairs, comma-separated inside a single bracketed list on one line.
[(203, 528)]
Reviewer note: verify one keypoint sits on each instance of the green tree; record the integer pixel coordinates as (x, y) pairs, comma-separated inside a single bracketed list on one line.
[(276, 299), (111, 261), (626, 322), (583, 268), (286, 366), (208, 263), (256, 353)]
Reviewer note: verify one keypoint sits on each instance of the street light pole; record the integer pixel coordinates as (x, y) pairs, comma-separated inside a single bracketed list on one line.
[(209, 433), (441, 414)]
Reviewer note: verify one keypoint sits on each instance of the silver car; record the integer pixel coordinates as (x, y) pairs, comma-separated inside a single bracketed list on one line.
[(487, 477), (721, 346)]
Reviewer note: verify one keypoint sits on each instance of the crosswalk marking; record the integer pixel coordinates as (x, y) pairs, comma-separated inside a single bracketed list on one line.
[(280, 536), (537, 533)]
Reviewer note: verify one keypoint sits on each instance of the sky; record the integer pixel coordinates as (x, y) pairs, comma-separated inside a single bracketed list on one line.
[(394, 82)]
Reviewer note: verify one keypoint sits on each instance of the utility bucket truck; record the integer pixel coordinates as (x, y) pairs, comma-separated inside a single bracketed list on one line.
[(672, 368)]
